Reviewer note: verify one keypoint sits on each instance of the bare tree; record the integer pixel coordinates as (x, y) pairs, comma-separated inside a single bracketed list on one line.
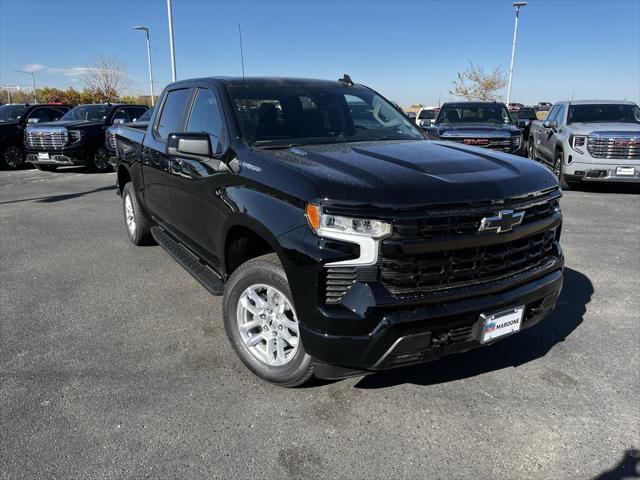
[(475, 84), (105, 75)]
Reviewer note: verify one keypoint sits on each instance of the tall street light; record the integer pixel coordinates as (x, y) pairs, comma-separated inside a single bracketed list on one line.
[(146, 30), (173, 51), (513, 48), (33, 78)]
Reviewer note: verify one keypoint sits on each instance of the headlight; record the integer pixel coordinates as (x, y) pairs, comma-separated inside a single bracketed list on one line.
[(577, 141), (75, 135), (324, 224), (516, 142), (363, 232)]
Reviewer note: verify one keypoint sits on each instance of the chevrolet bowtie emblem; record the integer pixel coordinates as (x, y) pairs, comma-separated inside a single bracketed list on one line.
[(503, 222)]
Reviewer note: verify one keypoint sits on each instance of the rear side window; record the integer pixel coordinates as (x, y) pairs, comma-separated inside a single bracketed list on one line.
[(172, 113), (205, 118)]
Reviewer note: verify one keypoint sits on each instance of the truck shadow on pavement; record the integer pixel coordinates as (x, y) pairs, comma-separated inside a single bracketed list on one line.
[(62, 197), (627, 468), (521, 348)]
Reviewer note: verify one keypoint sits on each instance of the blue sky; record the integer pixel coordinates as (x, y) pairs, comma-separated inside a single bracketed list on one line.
[(409, 51)]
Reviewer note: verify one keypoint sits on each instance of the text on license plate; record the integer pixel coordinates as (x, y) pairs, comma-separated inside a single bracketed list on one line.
[(625, 171), (43, 155), (501, 323)]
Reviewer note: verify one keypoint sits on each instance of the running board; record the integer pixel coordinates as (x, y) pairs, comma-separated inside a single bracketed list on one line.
[(192, 264)]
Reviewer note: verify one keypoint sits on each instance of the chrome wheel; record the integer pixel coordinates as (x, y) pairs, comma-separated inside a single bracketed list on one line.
[(129, 215), (13, 157), (268, 325)]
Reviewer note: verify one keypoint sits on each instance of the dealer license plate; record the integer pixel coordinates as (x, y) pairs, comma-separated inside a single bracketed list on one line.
[(625, 171), (502, 323), (43, 155)]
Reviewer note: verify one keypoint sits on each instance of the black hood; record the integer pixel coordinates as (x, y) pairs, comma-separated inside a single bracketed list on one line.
[(69, 123), (413, 173), (473, 129)]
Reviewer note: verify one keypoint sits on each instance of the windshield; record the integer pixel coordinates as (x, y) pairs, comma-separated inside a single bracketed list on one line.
[(474, 114), (524, 114), (301, 114), (145, 116), (92, 113), (12, 113), (606, 113), (427, 115)]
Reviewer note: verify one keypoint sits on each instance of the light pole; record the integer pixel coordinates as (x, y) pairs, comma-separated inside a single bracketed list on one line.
[(33, 78), (173, 51), (146, 30), (513, 48)]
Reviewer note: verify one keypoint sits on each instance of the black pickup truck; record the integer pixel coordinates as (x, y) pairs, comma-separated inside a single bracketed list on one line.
[(78, 137), (110, 133), (13, 120), (481, 124), (342, 240)]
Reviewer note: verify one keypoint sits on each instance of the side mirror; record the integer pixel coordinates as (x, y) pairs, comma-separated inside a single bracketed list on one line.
[(33, 120), (194, 144), (522, 123), (552, 125)]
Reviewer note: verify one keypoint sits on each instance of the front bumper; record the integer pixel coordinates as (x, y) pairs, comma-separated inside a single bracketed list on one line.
[(419, 333), (584, 168), (61, 157)]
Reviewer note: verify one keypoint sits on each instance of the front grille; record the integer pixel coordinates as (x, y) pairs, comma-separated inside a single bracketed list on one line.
[(498, 143), (338, 280), (46, 138), (446, 225), (461, 267), (615, 146)]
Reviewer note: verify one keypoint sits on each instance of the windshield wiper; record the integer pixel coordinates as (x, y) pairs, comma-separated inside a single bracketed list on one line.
[(278, 147)]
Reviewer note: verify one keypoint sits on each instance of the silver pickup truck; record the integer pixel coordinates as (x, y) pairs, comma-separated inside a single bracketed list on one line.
[(589, 141)]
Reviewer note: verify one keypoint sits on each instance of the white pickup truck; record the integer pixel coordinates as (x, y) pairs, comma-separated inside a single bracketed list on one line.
[(589, 141)]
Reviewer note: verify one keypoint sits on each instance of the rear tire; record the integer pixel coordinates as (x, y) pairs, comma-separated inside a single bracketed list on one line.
[(13, 157), (99, 161), (137, 223), (47, 168), (261, 323)]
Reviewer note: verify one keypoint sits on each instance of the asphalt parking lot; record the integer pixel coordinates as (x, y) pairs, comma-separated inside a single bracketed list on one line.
[(114, 364)]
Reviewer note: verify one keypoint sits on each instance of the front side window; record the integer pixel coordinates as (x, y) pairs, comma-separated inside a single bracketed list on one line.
[(605, 113), (172, 113), (302, 114), (487, 114), (205, 118), (89, 113), (12, 113), (524, 114)]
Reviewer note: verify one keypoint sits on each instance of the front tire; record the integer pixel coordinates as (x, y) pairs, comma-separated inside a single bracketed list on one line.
[(137, 223), (13, 157), (262, 325), (557, 170)]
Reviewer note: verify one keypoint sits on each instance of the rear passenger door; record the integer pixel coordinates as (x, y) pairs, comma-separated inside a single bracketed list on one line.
[(156, 164)]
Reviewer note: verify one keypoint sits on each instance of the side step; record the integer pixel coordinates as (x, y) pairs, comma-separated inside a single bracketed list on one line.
[(189, 261)]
